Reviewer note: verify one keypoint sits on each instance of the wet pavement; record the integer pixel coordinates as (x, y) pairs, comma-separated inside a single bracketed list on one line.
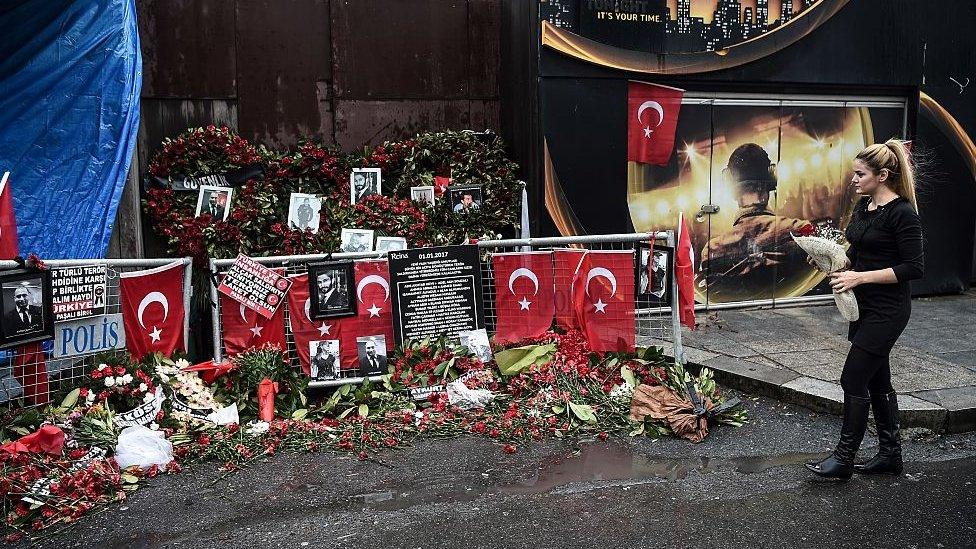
[(741, 487), (797, 355)]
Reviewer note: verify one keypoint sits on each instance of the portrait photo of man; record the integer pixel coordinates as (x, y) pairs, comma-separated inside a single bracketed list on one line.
[(331, 297), (22, 315), (329, 289), (356, 240), (372, 355), (364, 182), (214, 201), (465, 199), (303, 212)]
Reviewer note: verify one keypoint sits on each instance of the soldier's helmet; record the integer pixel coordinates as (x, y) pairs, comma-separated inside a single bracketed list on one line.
[(749, 169)]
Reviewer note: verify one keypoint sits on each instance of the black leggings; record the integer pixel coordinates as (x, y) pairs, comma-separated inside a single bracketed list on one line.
[(866, 373)]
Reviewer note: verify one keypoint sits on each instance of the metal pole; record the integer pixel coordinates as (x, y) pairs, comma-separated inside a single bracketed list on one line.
[(187, 298), (679, 350), (215, 317)]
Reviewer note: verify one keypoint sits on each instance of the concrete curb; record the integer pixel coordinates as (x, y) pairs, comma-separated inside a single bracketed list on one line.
[(941, 410)]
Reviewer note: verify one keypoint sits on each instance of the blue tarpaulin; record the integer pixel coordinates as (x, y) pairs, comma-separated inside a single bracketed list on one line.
[(70, 77)]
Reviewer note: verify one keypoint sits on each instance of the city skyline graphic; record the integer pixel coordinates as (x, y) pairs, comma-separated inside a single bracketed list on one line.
[(684, 25)]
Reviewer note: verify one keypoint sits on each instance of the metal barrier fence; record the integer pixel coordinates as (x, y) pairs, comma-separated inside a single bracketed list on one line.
[(69, 371), (655, 324)]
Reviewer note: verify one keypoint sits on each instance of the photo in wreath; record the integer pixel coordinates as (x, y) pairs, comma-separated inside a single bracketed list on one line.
[(423, 195), (214, 201), (356, 240), (390, 243), (364, 182), (465, 199), (303, 212), (329, 289)]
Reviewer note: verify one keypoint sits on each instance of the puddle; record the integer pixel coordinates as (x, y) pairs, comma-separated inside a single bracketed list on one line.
[(592, 464), (617, 463)]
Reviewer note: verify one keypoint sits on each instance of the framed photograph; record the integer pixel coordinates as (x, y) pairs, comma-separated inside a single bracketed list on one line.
[(372, 355), (423, 195), (653, 267), (303, 212), (330, 289), (364, 182), (26, 306), (214, 201), (477, 343), (390, 243), (356, 240), (465, 199), (324, 359)]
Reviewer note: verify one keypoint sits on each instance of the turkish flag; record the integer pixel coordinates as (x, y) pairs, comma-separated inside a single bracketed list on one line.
[(30, 369), (375, 310), (304, 330), (153, 311), (684, 272), (603, 297), (565, 263), (441, 184), (244, 328), (524, 295), (8, 221), (652, 118)]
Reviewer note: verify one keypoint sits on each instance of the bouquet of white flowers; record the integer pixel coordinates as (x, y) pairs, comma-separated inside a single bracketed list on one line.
[(831, 257)]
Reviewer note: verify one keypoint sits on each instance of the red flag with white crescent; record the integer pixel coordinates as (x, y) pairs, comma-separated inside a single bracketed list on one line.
[(243, 328), (153, 311), (8, 221), (375, 310), (603, 297), (564, 264), (684, 272), (524, 295), (306, 331), (652, 119)]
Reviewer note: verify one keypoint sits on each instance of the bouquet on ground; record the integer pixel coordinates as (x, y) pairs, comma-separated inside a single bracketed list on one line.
[(830, 257)]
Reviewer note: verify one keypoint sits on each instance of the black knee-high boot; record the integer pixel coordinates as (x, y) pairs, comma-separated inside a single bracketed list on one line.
[(888, 460), (841, 463)]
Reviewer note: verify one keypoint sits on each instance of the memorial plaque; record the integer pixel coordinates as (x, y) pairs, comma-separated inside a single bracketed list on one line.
[(259, 288), (78, 292), (437, 291)]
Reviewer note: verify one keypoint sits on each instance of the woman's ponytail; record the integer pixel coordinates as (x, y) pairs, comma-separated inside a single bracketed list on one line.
[(904, 179)]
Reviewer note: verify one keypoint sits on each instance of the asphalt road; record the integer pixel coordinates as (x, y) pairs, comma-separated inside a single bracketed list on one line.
[(742, 487)]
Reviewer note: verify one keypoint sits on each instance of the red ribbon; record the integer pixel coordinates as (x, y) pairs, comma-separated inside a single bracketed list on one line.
[(266, 394)]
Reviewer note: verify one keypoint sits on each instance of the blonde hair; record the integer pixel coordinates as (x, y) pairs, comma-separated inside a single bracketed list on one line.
[(892, 155)]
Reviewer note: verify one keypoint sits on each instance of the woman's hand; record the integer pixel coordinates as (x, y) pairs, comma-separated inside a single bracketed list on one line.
[(845, 280)]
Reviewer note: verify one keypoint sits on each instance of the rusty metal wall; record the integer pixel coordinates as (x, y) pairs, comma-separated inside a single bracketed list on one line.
[(351, 72)]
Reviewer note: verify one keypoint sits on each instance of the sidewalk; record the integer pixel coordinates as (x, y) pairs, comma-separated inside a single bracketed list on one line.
[(797, 355)]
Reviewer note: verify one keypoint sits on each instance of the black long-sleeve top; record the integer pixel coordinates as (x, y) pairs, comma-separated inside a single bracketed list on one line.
[(888, 237)]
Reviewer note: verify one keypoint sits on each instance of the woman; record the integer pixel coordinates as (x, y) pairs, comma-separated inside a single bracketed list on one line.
[(885, 236)]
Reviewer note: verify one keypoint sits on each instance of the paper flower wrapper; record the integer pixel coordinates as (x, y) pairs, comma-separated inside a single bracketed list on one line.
[(830, 257)]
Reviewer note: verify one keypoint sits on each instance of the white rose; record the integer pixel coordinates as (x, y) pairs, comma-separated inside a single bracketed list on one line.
[(127, 378), (91, 397), (102, 366), (257, 428), (109, 381), (143, 387), (119, 380), (148, 397)]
